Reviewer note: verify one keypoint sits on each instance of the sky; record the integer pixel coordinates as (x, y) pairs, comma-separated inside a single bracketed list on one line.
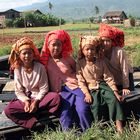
[(8, 4)]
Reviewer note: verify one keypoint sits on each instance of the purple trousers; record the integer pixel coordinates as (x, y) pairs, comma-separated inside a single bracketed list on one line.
[(74, 111), (15, 110)]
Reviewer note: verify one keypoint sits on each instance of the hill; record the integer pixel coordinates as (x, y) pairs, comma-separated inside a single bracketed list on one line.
[(78, 9)]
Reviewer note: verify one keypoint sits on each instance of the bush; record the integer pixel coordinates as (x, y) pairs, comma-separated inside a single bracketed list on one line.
[(18, 22), (9, 23), (5, 50), (35, 20)]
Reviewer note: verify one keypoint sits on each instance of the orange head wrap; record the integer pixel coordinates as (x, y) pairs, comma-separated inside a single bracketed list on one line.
[(21, 44), (61, 35), (115, 34)]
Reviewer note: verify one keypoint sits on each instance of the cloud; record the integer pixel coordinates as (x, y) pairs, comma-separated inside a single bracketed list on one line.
[(8, 4)]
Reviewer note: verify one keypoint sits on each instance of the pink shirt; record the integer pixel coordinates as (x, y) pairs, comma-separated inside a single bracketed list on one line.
[(62, 72), (119, 67), (36, 82)]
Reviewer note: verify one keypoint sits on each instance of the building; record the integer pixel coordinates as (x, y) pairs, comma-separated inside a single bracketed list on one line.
[(9, 14), (29, 23), (114, 17), (36, 11)]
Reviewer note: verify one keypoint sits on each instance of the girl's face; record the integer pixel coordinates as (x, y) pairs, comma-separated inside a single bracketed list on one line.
[(89, 52), (55, 48), (26, 56), (107, 43)]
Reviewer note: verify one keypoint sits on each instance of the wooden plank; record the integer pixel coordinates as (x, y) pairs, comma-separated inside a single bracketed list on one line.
[(9, 87), (136, 76), (4, 80), (2, 106), (4, 58), (7, 126), (7, 96), (8, 92)]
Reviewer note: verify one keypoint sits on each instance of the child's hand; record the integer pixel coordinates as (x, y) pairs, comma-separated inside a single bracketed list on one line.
[(125, 91), (34, 106), (27, 106), (88, 98), (119, 97)]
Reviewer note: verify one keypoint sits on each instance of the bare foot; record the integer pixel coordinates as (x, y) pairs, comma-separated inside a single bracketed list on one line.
[(119, 126)]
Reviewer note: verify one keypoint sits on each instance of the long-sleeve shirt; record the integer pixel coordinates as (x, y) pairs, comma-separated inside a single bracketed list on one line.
[(62, 72), (119, 67), (35, 82), (90, 76)]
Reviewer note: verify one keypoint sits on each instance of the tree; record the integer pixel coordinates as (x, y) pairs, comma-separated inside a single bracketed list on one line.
[(50, 6), (96, 10)]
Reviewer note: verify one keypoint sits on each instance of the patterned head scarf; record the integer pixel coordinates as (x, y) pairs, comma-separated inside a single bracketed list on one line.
[(61, 35), (89, 40), (21, 44), (115, 34)]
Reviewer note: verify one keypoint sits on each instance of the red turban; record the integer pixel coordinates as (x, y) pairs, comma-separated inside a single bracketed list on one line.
[(61, 35), (115, 34)]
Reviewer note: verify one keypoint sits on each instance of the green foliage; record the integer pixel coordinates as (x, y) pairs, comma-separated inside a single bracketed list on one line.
[(5, 50), (98, 131), (133, 53), (35, 20), (9, 23), (39, 44), (18, 22), (136, 57), (75, 42)]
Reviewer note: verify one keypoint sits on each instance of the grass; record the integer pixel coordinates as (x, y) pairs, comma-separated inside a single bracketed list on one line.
[(70, 27), (96, 132)]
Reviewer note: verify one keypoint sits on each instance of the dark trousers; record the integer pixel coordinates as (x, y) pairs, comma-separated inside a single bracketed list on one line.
[(106, 96), (15, 110)]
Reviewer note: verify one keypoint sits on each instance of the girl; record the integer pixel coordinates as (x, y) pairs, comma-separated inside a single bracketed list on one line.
[(61, 68), (31, 85), (115, 58), (96, 81)]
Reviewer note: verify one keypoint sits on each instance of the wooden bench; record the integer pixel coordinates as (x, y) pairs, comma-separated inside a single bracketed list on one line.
[(7, 92), (7, 127)]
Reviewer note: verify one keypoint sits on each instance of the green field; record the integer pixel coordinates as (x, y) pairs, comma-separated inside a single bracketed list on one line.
[(132, 37)]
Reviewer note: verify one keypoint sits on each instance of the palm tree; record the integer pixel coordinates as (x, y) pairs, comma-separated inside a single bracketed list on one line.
[(50, 6), (96, 10)]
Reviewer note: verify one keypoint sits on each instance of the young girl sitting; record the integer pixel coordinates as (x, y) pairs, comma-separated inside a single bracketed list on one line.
[(61, 68), (31, 85), (115, 58), (96, 81)]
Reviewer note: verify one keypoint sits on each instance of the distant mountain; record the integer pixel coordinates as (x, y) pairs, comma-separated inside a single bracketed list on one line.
[(78, 9)]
